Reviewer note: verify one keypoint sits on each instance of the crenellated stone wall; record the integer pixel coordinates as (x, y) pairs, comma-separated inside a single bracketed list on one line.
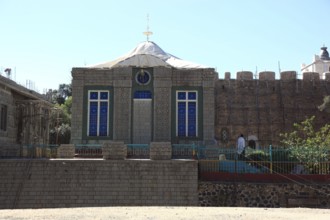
[(264, 108)]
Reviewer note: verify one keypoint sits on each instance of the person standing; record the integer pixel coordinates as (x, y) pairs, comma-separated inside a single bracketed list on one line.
[(241, 147)]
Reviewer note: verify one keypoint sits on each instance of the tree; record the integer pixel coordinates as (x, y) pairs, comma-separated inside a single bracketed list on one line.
[(308, 146), (64, 91), (60, 132), (58, 96)]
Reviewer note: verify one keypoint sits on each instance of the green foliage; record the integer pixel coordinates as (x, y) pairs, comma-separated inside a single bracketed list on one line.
[(60, 134), (258, 155), (60, 95), (257, 158), (308, 146), (60, 117)]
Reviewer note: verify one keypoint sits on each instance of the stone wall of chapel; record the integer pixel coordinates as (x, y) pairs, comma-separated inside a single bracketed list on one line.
[(121, 79)]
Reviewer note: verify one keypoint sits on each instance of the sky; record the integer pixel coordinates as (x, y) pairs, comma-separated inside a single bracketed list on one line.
[(42, 40)]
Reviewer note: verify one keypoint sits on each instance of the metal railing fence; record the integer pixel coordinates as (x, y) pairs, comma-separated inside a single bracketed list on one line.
[(39, 151), (263, 160), (88, 150), (138, 151)]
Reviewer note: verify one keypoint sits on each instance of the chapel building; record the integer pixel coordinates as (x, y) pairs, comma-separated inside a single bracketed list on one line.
[(146, 96)]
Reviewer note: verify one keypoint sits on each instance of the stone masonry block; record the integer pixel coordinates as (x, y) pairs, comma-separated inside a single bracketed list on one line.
[(288, 75), (114, 150), (227, 75), (66, 151), (311, 76), (327, 76), (267, 75), (160, 151), (244, 75)]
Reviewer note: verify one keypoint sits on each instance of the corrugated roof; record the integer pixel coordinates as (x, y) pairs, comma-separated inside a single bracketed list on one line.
[(149, 54)]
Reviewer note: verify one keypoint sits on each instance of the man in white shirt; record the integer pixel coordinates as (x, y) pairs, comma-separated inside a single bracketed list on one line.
[(241, 147)]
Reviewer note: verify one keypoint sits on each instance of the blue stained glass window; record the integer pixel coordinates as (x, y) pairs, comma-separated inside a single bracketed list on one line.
[(181, 119), (192, 119), (94, 95), (103, 129), (104, 95), (98, 118), (142, 95), (192, 95), (181, 95), (93, 118), (187, 108)]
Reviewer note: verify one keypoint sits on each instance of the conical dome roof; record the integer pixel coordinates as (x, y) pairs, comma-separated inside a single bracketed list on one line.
[(149, 54)]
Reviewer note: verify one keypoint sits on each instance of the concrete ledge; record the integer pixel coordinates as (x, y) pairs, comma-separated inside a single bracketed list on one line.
[(66, 151), (160, 151), (114, 150)]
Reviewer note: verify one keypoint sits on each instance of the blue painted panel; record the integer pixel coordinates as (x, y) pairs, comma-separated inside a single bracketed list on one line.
[(104, 95), (192, 119), (93, 110), (103, 127), (181, 119), (93, 95), (192, 95), (142, 95), (181, 95)]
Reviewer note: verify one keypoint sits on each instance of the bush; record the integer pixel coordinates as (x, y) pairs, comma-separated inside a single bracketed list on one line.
[(307, 146)]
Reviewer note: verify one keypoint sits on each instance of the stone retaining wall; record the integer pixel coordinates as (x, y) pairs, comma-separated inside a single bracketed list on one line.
[(88, 183), (264, 195)]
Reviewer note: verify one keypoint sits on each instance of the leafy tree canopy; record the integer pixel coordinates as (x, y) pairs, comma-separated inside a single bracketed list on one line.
[(60, 118), (307, 145)]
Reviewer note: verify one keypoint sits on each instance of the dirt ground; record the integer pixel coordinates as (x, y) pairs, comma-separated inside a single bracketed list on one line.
[(150, 213)]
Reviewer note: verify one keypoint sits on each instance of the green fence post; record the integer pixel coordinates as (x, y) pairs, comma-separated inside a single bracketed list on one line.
[(270, 159)]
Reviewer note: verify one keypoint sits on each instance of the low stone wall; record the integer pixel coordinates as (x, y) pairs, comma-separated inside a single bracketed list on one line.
[(88, 183), (264, 195)]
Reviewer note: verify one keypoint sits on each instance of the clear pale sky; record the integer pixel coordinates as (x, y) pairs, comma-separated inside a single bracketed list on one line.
[(41, 40)]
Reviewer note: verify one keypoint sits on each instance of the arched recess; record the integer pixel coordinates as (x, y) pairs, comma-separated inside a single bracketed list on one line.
[(253, 142)]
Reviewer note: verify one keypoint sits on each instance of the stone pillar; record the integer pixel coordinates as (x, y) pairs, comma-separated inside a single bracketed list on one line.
[(122, 82), (66, 151), (160, 151), (162, 104), (209, 78), (114, 150)]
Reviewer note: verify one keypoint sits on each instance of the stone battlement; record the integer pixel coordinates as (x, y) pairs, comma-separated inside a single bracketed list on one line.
[(285, 76)]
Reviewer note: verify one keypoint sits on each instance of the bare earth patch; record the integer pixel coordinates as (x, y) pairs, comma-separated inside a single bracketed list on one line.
[(190, 213)]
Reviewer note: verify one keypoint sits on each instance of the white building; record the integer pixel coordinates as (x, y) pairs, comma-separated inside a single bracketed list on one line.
[(320, 64)]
